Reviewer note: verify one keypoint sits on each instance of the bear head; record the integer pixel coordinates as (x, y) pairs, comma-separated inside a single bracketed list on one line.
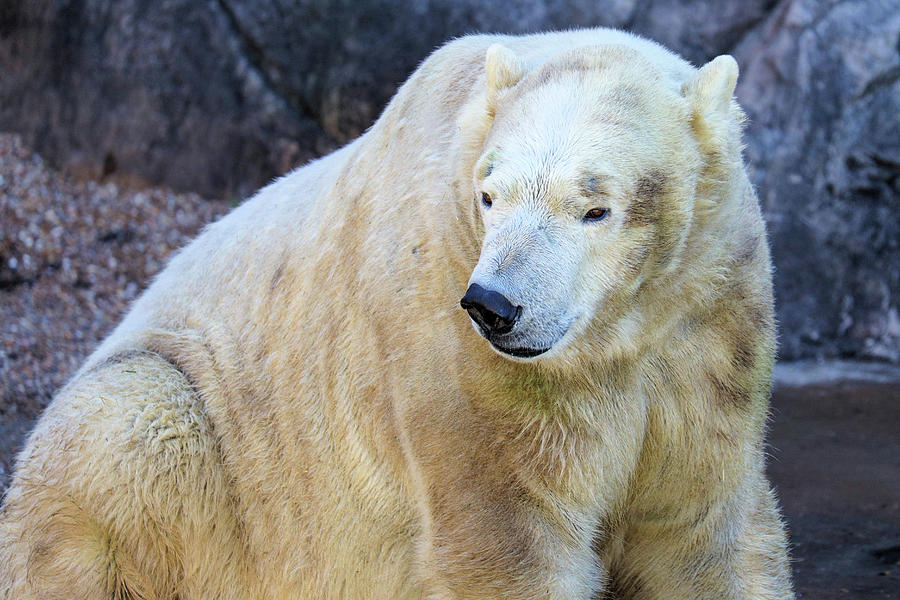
[(588, 182)]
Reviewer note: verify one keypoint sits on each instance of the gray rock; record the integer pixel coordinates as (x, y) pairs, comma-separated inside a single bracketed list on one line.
[(821, 85), (219, 96), (161, 90)]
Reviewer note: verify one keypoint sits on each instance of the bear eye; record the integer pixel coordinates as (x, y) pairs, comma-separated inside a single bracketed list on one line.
[(486, 199), (596, 214)]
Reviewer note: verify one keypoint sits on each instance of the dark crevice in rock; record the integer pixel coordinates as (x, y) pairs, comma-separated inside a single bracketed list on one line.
[(888, 78), (888, 556), (256, 56), (10, 17), (109, 165), (753, 26)]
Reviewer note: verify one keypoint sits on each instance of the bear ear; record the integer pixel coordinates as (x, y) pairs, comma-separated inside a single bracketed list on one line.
[(710, 90), (502, 67)]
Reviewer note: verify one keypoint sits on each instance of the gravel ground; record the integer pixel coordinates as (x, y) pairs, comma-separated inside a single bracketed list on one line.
[(72, 257)]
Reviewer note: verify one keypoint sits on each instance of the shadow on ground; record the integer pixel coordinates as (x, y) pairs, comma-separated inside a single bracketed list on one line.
[(835, 461)]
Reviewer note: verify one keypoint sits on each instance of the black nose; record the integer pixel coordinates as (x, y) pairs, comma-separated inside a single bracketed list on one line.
[(490, 309)]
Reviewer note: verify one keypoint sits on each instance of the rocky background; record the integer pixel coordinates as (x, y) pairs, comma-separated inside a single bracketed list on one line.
[(219, 96)]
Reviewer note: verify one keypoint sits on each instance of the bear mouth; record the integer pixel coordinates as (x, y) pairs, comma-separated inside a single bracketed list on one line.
[(524, 352), (519, 352)]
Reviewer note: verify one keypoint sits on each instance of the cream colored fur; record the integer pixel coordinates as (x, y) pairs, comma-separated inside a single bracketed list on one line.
[(298, 407)]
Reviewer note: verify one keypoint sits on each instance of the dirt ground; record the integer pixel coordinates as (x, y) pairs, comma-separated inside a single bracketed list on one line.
[(835, 461), (73, 256)]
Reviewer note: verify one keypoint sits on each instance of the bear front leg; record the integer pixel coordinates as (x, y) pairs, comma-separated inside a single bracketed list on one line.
[(492, 528), (52, 548), (736, 550), (119, 493), (504, 544)]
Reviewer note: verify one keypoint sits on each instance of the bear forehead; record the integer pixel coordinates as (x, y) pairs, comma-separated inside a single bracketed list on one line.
[(603, 95), (599, 67), (589, 113), (599, 158)]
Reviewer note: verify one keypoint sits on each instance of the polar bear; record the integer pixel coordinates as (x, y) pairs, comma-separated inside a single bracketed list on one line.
[(513, 342)]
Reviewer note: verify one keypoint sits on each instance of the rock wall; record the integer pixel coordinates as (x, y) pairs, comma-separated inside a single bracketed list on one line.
[(219, 96), (821, 85)]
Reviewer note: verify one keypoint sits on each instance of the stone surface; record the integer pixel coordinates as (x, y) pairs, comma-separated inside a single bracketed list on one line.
[(821, 85), (219, 96), (162, 91)]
